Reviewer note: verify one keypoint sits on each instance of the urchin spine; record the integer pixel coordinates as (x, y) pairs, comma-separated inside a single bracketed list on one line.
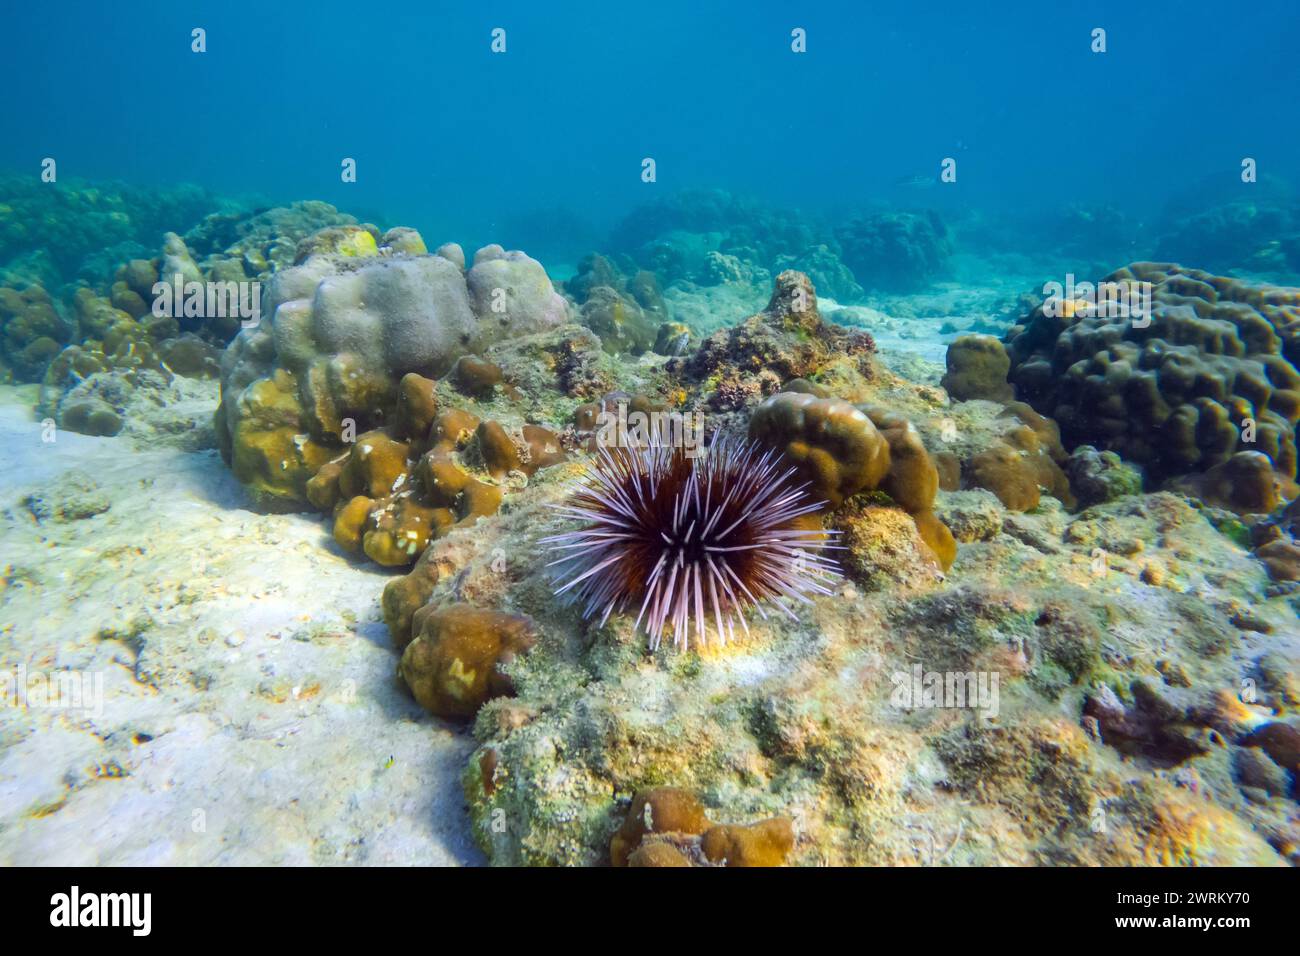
[(727, 541)]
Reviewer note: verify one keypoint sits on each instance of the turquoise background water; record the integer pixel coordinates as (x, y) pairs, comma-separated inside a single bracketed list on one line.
[(468, 144)]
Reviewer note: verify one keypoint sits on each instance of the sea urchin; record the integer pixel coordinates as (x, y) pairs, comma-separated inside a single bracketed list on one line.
[(698, 539)]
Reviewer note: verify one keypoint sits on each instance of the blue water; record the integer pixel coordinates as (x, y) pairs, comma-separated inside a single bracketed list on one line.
[(463, 143), (1068, 161)]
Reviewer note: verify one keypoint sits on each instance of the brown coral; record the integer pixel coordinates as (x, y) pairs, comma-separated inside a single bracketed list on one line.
[(843, 450), (761, 844), (1022, 462), (834, 445), (657, 810), (454, 663), (977, 368), (1176, 390), (667, 826)]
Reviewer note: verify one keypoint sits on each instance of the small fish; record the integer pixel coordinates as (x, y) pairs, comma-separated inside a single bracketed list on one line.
[(677, 346), (916, 182)]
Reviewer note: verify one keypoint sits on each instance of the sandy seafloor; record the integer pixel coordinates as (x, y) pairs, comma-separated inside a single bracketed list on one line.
[(250, 714)]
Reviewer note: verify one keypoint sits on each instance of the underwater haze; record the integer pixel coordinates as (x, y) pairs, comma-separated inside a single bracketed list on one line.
[(674, 434), (453, 137)]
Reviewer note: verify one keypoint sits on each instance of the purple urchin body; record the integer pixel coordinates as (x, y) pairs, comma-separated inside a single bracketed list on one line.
[(691, 539)]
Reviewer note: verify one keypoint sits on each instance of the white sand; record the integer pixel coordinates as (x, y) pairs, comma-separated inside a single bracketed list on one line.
[(250, 713)]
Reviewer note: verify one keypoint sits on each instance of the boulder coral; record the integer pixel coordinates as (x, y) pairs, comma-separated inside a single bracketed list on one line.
[(977, 368), (1212, 371), (625, 311), (843, 450), (836, 447), (111, 327), (453, 665), (31, 331), (394, 490), (822, 264), (88, 386), (339, 331), (668, 826), (1246, 483), (1022, 462), (238, 246), (1099, 476)]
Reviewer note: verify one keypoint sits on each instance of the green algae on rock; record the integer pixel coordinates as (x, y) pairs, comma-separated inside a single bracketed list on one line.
[(802, 722)]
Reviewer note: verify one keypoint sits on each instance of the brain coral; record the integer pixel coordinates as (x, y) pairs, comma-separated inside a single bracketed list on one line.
[(339, 331), (1178, 394)]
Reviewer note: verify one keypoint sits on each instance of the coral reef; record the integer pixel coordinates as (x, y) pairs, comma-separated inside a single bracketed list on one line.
[(73, 221), (895, 251), (340, 332), (106, 323), (816, 721), (714, 220), (705, 238), (995, 679), (88, 387), (1177, 390), (823, 266), (1199, 388), (740, 365), (1238, 227), (626, 312)]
